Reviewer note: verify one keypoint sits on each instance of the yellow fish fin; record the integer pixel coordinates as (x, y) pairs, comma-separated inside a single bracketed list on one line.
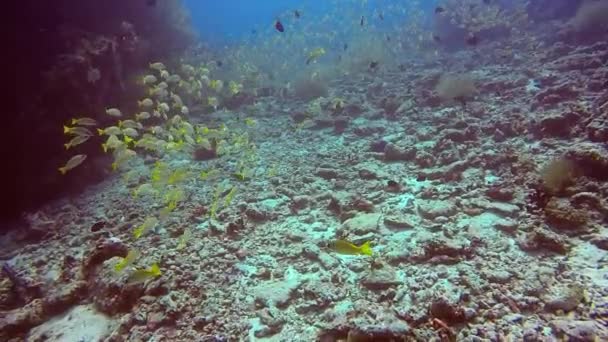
[(366, 248)]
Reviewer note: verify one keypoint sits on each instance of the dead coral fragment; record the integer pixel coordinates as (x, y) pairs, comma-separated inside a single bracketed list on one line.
[(562, 215)]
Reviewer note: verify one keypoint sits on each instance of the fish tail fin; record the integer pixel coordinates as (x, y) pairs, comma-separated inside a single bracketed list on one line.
[(63, 170), (155, 269), (66, 129), (366, 248), (100, 131), (67, 146)]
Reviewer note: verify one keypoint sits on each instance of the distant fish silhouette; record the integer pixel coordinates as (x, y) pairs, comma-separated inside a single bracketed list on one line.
[(279, 26), (439, 9), (296, 13), (362, 21)]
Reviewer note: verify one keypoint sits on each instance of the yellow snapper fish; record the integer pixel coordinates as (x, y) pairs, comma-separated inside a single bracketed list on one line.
[(111, 130), (84, 122), (213, 102), (216, 85), (146, 103), (130, 132), (121, 156), (346, 247), (113, 112), (77, 140), (112, 143), (148, 224), (72, 163), (130, 124), (164, 74), (142, 116), (141, 275), (314, 54), (149, 79), (157, 66), (76, 130), (127, 261)]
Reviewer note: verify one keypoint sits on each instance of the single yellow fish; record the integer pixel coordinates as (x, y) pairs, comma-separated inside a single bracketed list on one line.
[(148, 224), (126, 261), (72, 163), (141, 275), (84, 122), (77, 140), (76, 130), (346, 247)]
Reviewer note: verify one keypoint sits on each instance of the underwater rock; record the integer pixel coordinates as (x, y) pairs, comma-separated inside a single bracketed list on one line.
[(275, 293), (443, 251), (501, 208), (579, 330), (450, 172), (447, 312), (369, 130), (506, 225), (561, 215), (362, 224), (380, 278), (80, 323), (597, 129), (554, 95), (326, 173), (457, 135), (590, 160), (559, 125), (393, 152), (542, 239), (238, 100), (501, 193), (271, 320), (431, 209), (563, 297)]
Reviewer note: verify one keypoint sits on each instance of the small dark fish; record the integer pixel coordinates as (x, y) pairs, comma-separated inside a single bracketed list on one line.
[(279, 26), (151, 3), (254, 31), (219, 63), (345, 47), (373, 64), (381, 16), (471, 39), (436, 38), (439, 9), (388, 38), (362, 21), (296, 13)]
